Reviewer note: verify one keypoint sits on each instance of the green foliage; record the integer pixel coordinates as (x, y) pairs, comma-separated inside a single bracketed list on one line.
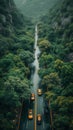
[(27, 42), (21, 87), (67, 74), (44, 45), (56, 64), (68, 91), (50, 95), (16, 45), (26, 57), (64, 111), (29, 9), (57, 28), (46, 60), (51, 81)]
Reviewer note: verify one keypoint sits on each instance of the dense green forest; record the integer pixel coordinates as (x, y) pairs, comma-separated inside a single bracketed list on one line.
[(16, 55), (56, 63), (55, 30), (34, 9)]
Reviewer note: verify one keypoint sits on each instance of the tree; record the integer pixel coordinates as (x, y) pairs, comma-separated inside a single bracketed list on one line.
[(58, 65), (68, 91), (46, 60), (62, 116), (26, 56), (50, 81), (21, 87), (67, 74), (44, 45)]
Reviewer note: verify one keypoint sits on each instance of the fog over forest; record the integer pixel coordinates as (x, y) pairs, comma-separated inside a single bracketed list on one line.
[(35, 8)]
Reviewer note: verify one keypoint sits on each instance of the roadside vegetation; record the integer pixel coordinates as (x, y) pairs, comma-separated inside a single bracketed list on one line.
[(56, 63), (16, 56)]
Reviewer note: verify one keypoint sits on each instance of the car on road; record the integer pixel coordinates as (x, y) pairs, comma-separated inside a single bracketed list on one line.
[(32, 97), (39, 91), (39, 119), (30, 114)]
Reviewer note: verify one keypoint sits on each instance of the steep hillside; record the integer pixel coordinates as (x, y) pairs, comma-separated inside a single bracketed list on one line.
[(35, 8), (16, 47), (57, 27), (56, 64)]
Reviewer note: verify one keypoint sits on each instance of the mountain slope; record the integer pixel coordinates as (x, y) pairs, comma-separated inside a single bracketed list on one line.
[(58, 26), (35, 8), (56, 64), (16, 47)]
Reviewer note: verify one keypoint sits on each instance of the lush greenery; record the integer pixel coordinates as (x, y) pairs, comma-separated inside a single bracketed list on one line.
[(56, 60), (34, 9), (16, 47), (56, 63)]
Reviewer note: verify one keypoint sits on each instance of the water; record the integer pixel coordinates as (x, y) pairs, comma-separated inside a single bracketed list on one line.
[(35, 76)]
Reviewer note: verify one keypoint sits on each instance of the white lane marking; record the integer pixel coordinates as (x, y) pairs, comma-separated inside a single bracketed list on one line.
[(27, 124)]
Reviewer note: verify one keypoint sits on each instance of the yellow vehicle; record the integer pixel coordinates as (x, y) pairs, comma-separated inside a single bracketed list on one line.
[(32, 97), (39, 91), (30, 114), (39, 119)]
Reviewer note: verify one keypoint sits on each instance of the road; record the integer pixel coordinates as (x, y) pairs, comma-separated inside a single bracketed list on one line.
[(38, 104)]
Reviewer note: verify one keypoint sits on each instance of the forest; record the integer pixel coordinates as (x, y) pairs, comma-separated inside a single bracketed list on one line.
[(34, 9), (55, 30), (16, 54), (56, 63)]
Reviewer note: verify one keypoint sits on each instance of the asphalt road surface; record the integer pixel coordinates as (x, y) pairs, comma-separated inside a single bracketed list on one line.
[(38, 104)]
